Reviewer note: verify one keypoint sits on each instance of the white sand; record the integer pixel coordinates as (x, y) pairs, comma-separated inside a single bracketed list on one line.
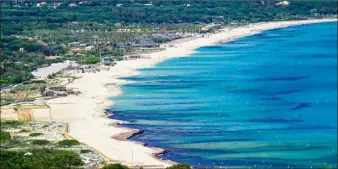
[(84, 113)]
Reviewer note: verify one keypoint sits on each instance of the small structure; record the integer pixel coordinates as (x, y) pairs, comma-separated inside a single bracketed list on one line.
[(49, 93), (76, 50), (87, 68), (88, 48), (120, 45), (72, 5), (131, 57), (108, 61), (51, 57), (74, 44), (285, 3), (84, 44), (58, 91), (148, 43), (28, 154)]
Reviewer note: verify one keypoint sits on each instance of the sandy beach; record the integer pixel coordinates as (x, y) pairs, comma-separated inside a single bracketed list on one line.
[(86, 115)]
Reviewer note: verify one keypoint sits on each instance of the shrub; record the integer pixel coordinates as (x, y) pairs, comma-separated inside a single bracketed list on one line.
[(10, 124), (4, 136), (69, 143), (91, 60), (40, 158), (85, 151), (180, 166), (35, 134), (40, 142), (115, 166), (24, 131)]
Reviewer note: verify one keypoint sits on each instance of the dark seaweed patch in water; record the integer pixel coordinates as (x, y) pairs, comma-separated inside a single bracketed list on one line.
[(275, 120), (274, 98), (314, 127), (266, 36), (159, 86), (211, 47), (321, 56), (281, 78), (287, 92), (172, 103), (262, 92), (301, 106)]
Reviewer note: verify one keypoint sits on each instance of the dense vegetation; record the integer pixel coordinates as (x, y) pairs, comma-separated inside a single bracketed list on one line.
[(32, 30), (40, 142), (180, 166), (114, 166), (19, 57), (35, 134), (4, 136), (68, 143), (39, 158), (29, 17), (10, 123)]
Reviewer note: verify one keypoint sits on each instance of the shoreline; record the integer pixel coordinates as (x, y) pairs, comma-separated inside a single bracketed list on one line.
[(86, 114)]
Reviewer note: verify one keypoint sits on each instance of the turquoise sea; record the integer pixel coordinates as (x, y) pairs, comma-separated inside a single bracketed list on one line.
[(267, 100)]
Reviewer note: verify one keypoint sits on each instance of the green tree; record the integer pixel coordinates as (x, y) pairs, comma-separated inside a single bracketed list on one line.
[(179, 166), (115, 166)]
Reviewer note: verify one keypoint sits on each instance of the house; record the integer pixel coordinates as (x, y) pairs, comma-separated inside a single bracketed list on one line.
[(21, 49), (76, 50), (119, 5), (83, 44), (145, 43), (150, 4), (120, 45), (123, 30), (285, 3), (51, 57), (88, 48), (72, 5), (74, 44), (28, 154)]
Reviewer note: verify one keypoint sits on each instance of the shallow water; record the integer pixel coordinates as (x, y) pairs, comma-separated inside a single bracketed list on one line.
[(268, 100)]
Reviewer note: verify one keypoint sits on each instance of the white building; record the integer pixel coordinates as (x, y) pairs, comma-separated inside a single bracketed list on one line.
[(89, 48), (285, 3)]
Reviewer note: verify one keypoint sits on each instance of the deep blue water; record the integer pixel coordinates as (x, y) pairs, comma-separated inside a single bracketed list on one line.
[(268, 100)]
